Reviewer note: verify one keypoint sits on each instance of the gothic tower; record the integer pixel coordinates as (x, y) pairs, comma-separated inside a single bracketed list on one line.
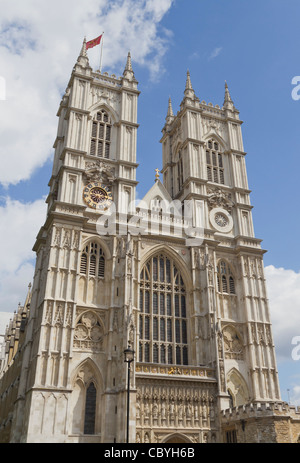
[(204, 160), (77, 329), (178, 278)]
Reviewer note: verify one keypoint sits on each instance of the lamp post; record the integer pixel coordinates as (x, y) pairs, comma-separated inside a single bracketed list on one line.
[(128, 358)]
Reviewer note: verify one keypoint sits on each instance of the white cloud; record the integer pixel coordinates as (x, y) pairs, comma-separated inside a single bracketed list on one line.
[(215, 52), (39, 44), (19, 226), (284, 295)]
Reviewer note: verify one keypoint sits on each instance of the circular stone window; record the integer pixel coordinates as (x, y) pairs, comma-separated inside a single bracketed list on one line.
[(221, 220)]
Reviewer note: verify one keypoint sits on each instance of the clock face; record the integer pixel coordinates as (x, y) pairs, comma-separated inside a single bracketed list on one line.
[(97, 196), (221, 220)]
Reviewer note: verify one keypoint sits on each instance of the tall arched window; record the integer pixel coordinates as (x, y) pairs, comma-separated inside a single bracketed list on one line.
[(180, 171), (225, 278), (214, 163), (101, 135), (92, 260), (90, 409), (163, 313)]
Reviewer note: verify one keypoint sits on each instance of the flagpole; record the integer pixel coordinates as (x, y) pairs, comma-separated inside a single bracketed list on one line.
[(101, 53)]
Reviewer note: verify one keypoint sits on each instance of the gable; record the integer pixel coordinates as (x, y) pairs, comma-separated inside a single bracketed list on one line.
[(158, 198)]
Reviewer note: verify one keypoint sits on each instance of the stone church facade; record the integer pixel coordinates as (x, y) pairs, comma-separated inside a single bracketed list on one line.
[(178, 277)]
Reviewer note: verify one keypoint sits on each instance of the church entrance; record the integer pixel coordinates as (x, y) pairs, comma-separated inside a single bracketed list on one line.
[(177, 439)]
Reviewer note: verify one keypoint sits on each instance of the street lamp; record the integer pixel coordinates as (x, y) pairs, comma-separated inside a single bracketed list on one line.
[(128, 358)]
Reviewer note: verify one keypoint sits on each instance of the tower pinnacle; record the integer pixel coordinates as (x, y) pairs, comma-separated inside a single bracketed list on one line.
[(83, 49), (128, 71), (228, 103), (189, 91), (170, 114), (83, 57), (170, 109)]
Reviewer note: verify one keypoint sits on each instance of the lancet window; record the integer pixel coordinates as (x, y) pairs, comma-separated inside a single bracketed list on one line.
[(93, 261), (101, 135), (90, 409), (226, 283), (214, 163)]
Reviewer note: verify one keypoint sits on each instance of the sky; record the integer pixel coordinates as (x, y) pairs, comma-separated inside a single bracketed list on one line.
[(252, 45)]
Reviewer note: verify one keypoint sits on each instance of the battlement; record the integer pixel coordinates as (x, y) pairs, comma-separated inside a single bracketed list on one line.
[(259, 410), (261, 422)]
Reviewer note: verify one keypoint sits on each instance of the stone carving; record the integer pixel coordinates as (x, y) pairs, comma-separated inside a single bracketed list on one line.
[(218, 198), (76, 239), (57, 237), (88, 332), (48, 314), (233, 345), (175, 407), (58, 317), (120, 247), (67, 239), (99, 171)]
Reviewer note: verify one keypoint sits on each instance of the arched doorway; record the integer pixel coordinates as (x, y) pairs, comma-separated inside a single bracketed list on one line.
[(177, 439)]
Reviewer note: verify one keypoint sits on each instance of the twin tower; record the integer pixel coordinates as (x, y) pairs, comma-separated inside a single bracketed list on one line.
[(178, 277)]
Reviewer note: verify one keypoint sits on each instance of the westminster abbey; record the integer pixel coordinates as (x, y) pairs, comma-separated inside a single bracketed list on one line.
[(177, 277)]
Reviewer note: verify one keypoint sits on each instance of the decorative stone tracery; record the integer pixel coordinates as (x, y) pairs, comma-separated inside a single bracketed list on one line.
[(88, 331), (233, 345)]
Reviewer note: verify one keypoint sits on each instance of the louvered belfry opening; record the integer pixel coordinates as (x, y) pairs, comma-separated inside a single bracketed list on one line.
[(225, 278), (101, 135), (214, 163), (93, 261)]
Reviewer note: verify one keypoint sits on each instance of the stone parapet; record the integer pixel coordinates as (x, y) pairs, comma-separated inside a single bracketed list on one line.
[(265, 422)]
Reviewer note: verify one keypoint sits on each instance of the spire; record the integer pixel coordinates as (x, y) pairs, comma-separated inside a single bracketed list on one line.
[(170, 115), (128, 66), (128, 71), (189, 91), (170, 109), (188, 85), (228, 103), (83, 49), (28, 299), (83, 57)]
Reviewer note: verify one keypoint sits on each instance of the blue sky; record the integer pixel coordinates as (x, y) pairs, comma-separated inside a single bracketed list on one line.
[(254, 46)]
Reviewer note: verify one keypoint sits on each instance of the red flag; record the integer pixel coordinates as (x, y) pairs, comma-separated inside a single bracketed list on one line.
[(93, 43)]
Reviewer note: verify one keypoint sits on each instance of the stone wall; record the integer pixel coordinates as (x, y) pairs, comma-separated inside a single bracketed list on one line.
[(275, 422)]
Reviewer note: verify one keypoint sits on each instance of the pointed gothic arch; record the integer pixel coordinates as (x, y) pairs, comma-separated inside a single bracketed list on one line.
[(216, 137), (101, 243), (92, 270), (164, 311), (180, 263), (225, 277), (101, 127), (177, 438), (215, 168), (99, 106), (237, 387), (87, 387), (233, 342)]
